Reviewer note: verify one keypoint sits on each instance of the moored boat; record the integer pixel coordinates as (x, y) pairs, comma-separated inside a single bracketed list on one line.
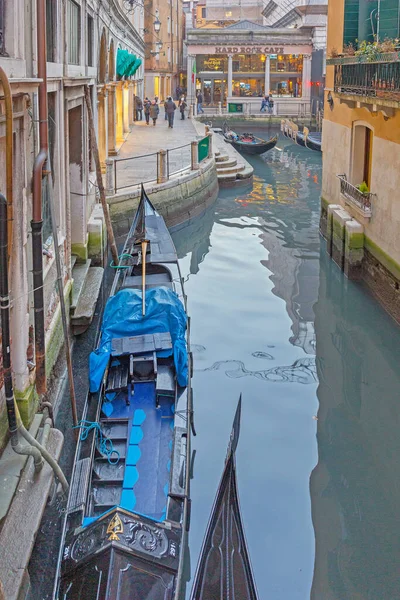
[(307, 139), (128, 510), (247, 142), (224, 570)]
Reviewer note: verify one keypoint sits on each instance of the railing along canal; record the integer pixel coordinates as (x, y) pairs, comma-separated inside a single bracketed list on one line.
[(377, 80), (157, 166)]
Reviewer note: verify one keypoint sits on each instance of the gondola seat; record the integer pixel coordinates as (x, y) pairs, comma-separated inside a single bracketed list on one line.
[(152, 281)]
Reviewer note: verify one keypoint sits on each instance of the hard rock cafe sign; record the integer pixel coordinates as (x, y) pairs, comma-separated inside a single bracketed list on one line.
[(248, 50)]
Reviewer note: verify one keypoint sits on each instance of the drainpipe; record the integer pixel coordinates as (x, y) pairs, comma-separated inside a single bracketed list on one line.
[(9, 155), (39, 172), (13, 423), (16, 427)]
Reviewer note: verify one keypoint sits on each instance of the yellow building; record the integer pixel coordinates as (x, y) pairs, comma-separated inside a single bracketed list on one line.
[(164, 49), (360, 206)]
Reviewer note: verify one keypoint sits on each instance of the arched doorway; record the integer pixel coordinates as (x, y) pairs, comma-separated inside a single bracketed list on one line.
[(102, 95)]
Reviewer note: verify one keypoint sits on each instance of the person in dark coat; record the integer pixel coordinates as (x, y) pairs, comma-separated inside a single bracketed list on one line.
[(138, 108), (200, 103), (182, 106), (147, 105), (170, 108), (154, 110)]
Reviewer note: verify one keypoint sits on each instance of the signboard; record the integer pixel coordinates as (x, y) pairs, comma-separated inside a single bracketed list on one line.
[(249, 50), (202, 148), (235, 108)]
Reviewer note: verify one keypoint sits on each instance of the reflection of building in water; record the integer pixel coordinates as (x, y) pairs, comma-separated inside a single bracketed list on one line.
[(355, 488), (194, 238)]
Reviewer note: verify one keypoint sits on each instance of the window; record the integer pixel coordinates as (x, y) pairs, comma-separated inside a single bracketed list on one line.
[(168, 25), (362, 155), (169, 55), (2, 27), (51, 29), (47, 228), (74, 32), (90, 41), (228, 13), (203, 13)]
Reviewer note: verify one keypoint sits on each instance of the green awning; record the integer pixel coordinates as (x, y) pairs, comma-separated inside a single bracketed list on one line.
[(135, 67)]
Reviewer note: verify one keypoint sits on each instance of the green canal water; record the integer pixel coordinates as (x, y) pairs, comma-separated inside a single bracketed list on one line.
[(317, 361)]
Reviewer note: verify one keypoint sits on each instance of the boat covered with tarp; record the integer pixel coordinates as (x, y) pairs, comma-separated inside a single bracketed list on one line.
[(127, 515), (248, 142), (306, 138), (224, 570)]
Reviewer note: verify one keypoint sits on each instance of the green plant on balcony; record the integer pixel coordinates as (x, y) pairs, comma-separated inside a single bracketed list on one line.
[(371, 51), (363, 188)]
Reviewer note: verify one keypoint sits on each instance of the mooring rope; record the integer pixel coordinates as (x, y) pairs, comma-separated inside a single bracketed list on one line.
[(104, 444)]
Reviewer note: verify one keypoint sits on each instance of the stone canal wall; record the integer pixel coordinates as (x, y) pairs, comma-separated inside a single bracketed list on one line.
[(179, 199), (359, 257)]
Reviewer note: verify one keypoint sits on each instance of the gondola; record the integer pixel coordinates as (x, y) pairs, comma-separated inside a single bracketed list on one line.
[(311, 140), (224, 570), (127, 515), (247, 142)]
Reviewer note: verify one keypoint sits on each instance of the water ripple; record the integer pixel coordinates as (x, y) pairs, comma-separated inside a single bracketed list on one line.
[(303, 370)]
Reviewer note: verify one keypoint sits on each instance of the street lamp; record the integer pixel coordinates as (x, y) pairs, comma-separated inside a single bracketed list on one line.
[(157, 23)]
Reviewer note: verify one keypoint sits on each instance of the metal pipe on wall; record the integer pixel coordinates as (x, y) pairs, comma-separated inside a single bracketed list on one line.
[(9, 156), (39, 171)]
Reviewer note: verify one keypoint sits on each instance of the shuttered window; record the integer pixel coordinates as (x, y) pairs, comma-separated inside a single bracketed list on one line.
[(90, 37), (74, 32), (51, 29)]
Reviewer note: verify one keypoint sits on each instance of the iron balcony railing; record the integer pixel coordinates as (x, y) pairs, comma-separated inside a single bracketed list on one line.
[(353, 195), (374, 80)]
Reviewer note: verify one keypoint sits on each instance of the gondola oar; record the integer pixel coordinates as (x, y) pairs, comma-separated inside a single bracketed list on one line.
[(144, 252)]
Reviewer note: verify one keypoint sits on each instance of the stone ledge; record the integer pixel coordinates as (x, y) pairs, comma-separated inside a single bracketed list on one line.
[(18, 534)]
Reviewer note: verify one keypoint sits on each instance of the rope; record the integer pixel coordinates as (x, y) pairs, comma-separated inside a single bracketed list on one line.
[(121, 266), (104, 444)]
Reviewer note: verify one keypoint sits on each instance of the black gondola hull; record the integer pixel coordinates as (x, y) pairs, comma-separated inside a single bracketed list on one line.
[(251, 148)]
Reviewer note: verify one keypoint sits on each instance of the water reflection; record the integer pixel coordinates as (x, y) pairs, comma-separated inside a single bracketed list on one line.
[(355, 489), (321, 521)]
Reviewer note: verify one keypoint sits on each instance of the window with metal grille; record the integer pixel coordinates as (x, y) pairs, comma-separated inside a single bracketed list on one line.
[(74, 32), (51, 29), (90, 29), (2, 27)]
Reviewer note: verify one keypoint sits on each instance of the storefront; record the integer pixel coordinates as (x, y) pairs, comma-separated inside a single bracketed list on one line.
[(242, 62)]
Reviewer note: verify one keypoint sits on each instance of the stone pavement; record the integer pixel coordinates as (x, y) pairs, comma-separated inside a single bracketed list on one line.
[(145, 140)]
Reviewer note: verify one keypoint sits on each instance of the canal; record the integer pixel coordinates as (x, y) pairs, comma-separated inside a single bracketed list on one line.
[(316, 360)]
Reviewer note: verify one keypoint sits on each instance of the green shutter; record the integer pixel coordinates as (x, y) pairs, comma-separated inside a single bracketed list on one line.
[(389, 20), (351, 15)]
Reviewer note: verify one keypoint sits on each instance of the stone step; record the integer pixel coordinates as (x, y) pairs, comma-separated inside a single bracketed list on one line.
[(246, 173), (86, 305), (73, 260), (79, 274), (234, 169), (231, 162), (221, 158), (227, 177)]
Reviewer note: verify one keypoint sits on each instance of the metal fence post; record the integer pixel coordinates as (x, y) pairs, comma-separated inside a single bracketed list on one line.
[(195, 155), (111, 183), (190, 115), (162, 171), (210, 144)]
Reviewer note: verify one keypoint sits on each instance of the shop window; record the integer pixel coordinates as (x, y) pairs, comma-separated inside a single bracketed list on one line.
[(203, 13), (74, 32), (51, 29), (248, 87)]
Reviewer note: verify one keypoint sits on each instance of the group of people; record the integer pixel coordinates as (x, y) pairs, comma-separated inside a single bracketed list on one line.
[(151, 109), (267, 104)]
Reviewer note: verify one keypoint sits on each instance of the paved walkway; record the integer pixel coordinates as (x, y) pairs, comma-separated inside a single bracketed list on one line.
[(145, 140)]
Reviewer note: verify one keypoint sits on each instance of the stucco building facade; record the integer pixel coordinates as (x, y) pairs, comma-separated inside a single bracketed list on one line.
[(83, 41), (360, 208)]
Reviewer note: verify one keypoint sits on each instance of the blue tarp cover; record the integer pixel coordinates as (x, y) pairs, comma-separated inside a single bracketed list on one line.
[(123, 318)]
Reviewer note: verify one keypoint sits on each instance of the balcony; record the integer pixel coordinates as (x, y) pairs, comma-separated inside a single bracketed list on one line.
[(369, 83), (361, 201)]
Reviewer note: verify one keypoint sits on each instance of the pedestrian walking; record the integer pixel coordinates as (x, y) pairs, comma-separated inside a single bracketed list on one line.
[(270, 105), (147, 105), (182, 106), (200, 103), (264, 104), (139, 108), (154, 110), (170, 108)]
